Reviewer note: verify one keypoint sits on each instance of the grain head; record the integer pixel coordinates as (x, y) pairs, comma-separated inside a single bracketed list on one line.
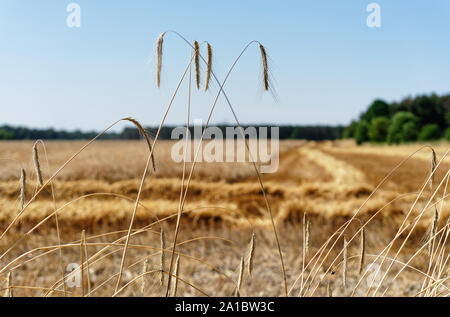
[(208, 66), (159, 52), (37, 165), (23, 180), (197, 63), (265, 67)]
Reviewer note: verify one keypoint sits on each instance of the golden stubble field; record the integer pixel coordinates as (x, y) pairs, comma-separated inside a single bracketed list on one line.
[(329, 182)]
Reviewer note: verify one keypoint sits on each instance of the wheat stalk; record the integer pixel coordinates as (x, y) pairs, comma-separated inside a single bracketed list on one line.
[(265, 68), (197, 63), (144, 270), (362, 249), (208, 66), (305, 247), (269, 211), (344, 269), (23, 180), (329, 290), (251, 254), (37, 165), (159, 52), (88, 273), (240, 278), (433, 167), (163, 255)]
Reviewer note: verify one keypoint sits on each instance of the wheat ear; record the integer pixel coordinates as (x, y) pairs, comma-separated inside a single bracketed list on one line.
[(208, 66), (37, 165), (82, 259), (307, 237), (9, 289), (144, 270), (251, 254), (175, 272), (159, 52), (145, 135), (433, 167), (265, 68), (163, 255), (362, 249), (433, 230), (197, 63), (240, 278), (23, 181)]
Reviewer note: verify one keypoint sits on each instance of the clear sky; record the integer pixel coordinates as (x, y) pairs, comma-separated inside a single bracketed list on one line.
[(328, 65)]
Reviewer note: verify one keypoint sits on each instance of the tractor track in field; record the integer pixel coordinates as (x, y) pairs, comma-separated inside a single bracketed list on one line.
[(315, 177)]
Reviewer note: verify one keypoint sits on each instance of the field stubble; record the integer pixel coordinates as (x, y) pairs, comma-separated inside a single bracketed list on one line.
[(328, 180)]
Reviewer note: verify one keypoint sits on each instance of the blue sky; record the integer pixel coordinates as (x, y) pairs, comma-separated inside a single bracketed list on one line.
[(328, 65)]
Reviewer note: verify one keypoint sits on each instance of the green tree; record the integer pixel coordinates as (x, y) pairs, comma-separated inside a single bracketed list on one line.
[(362, 132), (430, 132), (378, 108), (403, 128), (349, 131), (296, 133), (409, 132), (379, 129), (447, 134), (429, 109), (398, 106), (6, 135), (447, 119)]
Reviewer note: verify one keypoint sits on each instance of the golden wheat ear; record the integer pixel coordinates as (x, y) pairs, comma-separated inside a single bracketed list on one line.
[(159, 52), (240, 278), (37, 165), (82, 260), (265, 67), (308, 236), (433, 231), (433, 167), (251, 254), (9, 289), (175, 272), (362, 249), (145, 135), (144, 270), (208, 66), (23, 183), (197, 63)]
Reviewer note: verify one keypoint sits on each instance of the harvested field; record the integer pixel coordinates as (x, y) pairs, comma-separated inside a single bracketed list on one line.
[(329, 181)]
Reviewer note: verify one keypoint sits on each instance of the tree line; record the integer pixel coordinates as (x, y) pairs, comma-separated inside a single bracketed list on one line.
[(317, 133), (422, 118)]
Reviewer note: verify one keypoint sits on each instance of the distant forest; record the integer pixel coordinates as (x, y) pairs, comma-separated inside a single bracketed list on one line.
[(422, 118), (129, 133)]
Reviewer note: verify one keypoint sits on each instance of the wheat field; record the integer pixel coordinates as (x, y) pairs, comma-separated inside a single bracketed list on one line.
[(121, 218), (322, 194)]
